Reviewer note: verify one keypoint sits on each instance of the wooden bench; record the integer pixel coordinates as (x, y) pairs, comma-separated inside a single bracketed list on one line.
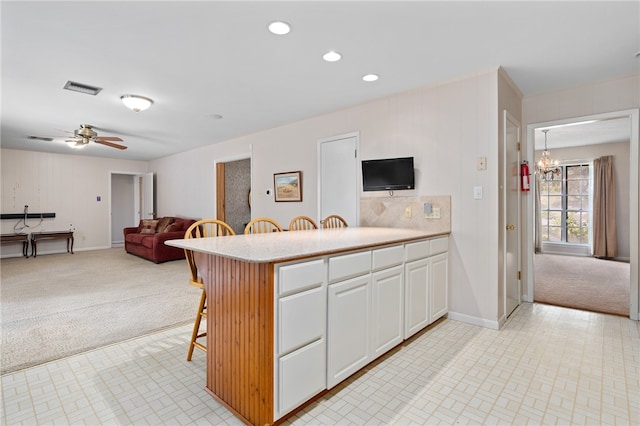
[(17, 238), (52, 235)]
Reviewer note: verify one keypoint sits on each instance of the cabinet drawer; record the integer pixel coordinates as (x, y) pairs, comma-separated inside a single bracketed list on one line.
[(301, 317), (417, 250), (387, 257), (439, 245), (299, 276), (301, 375), (349, 265)]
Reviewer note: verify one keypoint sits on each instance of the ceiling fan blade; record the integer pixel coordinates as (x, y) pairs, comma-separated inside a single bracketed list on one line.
[(111, 144), (110, 138)]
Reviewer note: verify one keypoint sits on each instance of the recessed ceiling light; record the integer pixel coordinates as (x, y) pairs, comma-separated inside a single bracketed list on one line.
[(332, 56), (370, 77), (279, 27)]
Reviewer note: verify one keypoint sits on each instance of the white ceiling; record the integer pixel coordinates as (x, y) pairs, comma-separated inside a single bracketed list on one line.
[(196, 59), (584, 133)]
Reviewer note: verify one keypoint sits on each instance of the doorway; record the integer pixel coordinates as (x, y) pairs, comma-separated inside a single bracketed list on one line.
[(631, 223), (233, 192), (132, 198)]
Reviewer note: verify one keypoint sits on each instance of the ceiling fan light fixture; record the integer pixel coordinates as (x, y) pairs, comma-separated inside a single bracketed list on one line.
[(75, 144), (136, 103)]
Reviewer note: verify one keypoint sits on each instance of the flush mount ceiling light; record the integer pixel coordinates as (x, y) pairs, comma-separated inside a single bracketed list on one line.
[(136, 103), (370, 77), (279, 27), (332, 56)]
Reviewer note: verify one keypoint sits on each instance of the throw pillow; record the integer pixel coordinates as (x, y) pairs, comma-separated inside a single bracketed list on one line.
[(173, 227), (149, 226), (163, 224)]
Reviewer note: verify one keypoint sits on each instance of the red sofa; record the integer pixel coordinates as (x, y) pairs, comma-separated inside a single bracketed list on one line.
[(147, 239)]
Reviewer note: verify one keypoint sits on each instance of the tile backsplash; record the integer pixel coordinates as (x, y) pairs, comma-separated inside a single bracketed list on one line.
[(392, 212)]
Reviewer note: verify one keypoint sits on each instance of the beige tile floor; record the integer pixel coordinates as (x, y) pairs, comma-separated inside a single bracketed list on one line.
[(548, 365)]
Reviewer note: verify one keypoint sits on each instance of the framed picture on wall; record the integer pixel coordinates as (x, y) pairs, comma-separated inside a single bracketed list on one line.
[(288, 186)]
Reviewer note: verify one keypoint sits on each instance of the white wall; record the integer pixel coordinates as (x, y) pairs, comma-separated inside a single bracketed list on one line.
[(67, 185), (445, 127)]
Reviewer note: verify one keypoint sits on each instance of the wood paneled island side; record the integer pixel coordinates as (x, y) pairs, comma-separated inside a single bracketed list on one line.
[(269, 345)]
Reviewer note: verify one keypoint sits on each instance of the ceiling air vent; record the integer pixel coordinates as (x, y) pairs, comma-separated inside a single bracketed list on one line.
[(82, 88)]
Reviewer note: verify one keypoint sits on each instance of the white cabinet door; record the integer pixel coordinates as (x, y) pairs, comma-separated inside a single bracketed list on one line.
[(387, 322), (349, 322), (301, 319), (439, 289), (301, 376), (416, 296)]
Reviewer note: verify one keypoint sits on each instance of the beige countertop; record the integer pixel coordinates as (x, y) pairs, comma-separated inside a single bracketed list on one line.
[(282, 246)]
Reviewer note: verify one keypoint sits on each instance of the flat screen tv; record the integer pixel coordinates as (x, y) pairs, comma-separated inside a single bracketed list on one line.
[(388, 174)]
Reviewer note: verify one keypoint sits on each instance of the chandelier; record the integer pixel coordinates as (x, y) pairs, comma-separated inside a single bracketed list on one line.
[(546, 167)]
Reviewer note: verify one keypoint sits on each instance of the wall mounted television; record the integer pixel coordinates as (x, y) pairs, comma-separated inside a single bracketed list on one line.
[(388, 174)]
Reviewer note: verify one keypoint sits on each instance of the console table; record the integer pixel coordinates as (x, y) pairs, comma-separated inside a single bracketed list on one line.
[(17, 238), (51, 235)]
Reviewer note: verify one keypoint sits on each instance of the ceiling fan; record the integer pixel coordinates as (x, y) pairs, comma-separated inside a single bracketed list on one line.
[(85, 134)]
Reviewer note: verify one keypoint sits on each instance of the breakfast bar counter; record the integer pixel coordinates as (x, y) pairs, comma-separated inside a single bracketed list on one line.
[(281, 307)]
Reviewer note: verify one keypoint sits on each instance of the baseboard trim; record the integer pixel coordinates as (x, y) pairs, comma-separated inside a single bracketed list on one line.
[(468, 319)]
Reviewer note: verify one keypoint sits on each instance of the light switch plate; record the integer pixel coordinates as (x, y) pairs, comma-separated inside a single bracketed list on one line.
[(477, 193), (435, 213)]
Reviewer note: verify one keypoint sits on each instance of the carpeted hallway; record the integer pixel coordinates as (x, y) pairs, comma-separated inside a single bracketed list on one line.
[(582, 282)]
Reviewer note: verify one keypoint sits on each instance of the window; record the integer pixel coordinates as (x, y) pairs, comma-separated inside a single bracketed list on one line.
[(565, 205)]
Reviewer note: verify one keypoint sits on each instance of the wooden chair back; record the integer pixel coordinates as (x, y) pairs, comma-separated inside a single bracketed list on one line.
[(262, 225), (302, 223), (333, 221), (202, 229)]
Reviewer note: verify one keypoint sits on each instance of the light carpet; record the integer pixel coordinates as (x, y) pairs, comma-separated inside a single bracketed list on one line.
[(57, 305), (582, 282)]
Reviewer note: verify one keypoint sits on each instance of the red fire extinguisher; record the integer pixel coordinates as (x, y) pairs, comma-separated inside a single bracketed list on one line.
[(525, 183)]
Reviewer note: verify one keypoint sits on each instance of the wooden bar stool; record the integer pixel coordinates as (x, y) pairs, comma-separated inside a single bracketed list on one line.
[(204, 228), (333, 221), (261, 225), (302, 223)]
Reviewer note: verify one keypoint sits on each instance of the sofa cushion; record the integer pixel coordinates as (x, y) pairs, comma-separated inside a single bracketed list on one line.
[(149, 226), (148, 241), (164, 223), (136, 238)]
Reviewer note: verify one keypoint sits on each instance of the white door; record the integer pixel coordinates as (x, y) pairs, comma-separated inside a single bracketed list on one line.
[(338, 191), (511, 197), (147, 206)]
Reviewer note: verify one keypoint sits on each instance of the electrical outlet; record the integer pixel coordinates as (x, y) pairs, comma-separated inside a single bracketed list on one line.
[(407, 212), (435, 213), (481, 163)]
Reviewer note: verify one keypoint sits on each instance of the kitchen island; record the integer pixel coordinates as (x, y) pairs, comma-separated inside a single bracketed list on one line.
[(291, 314)]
